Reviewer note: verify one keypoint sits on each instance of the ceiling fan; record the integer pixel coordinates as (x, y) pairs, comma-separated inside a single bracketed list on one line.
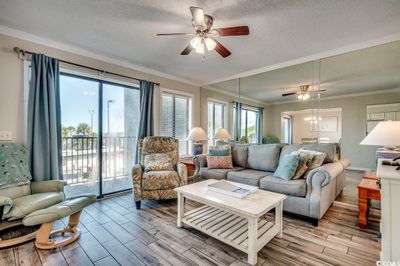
[(303, 92), (205, 36)]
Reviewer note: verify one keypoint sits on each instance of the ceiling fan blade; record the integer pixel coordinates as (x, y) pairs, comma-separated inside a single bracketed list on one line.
[(187, 50), (289, 94), (173, 34), (221, 49), (198, 18), (232, 31)]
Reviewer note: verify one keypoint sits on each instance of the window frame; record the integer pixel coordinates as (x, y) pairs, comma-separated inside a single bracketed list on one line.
[(247, 108), (190, 110), (224, 116)]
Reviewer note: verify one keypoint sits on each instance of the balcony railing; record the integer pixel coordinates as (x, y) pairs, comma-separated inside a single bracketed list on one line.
[(80, 158)]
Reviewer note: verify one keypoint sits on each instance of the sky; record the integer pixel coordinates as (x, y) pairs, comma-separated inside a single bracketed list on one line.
[(78, 96)]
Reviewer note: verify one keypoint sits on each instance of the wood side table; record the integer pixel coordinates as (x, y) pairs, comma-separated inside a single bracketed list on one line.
[(367, 189), (191, 167)]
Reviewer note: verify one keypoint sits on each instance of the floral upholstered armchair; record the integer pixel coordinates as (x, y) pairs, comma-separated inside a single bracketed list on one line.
[(158, 171)]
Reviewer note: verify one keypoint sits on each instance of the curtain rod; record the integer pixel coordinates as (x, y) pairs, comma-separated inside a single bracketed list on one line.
[(21, 53)]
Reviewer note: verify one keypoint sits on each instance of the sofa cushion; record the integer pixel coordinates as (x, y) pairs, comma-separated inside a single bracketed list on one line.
[(25, 205), (288, 149), (219, 174), (295, 188), (264, 157), (287, 166), (240, 153), (155, 180), (247, 176)]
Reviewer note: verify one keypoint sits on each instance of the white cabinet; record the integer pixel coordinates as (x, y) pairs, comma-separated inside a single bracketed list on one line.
[(390, 216)]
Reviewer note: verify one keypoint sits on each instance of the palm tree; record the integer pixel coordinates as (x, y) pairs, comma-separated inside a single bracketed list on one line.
[(83, 129)]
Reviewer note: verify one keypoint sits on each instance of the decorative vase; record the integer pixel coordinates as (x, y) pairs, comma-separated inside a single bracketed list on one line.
[(197, 149)]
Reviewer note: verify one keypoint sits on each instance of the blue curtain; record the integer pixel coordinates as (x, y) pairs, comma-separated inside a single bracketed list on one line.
[(260, 125), (44, 140), (146, 124), (238, 121)]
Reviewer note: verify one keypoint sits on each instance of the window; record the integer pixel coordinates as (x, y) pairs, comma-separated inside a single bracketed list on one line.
[(176, 119), (248, 125), (216, 119), (287, 129)]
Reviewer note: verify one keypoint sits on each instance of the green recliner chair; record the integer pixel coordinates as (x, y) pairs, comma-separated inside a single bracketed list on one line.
[(34, 203)]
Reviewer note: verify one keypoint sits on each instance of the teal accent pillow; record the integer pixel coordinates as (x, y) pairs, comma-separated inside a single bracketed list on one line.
[(219, 150), (287, 166)]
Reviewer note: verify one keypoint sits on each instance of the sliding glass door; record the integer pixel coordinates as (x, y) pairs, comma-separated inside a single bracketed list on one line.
[(120, 126), (99, 126)]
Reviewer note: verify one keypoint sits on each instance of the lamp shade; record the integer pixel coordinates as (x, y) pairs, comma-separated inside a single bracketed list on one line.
[(386, 133), (197, 134), (222, 134)]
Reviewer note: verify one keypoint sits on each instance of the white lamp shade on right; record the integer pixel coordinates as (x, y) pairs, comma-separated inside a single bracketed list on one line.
[(222, 134), (386, 133)]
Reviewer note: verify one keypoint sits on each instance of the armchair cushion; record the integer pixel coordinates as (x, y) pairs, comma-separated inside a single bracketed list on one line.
[(158, 162), (25, 205), (155, 180), (47, 186), (6, 202)]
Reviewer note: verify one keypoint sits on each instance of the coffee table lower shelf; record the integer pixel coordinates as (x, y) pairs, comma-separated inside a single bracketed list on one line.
[(230, 228)]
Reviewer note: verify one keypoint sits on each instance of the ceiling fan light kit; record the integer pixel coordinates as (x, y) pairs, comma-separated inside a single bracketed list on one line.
[(204, 35)]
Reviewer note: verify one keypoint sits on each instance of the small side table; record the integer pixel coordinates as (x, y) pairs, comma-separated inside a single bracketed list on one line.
[(191, 167), (367, 189)]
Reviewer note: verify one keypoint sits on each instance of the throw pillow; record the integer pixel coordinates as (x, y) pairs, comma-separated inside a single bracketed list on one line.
[(219, 162), (304, 162), (287, 167), (158, 162), (219, 150), (318, 158)]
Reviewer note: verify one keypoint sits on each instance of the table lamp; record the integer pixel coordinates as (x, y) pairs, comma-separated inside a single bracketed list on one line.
[(222, 134), (196, 136), (386, 133)]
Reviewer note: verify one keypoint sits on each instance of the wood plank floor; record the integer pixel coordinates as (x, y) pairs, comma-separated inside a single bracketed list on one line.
[(115, 233)]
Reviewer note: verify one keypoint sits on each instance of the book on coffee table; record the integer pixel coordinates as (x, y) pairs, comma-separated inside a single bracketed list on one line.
[(232, 189)]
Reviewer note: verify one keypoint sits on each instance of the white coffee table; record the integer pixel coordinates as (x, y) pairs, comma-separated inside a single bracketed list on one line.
[(237, 222)]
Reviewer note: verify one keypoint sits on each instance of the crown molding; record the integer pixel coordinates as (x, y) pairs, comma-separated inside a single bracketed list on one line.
[(356, 94), (317, 56), (79, 51), (234, 95)]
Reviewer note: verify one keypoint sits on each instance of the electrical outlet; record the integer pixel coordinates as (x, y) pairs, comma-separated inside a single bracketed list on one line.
[(5, 135)]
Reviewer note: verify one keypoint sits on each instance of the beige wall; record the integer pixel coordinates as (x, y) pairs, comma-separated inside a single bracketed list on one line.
[(228, 99), (11, 83), (354, 122)]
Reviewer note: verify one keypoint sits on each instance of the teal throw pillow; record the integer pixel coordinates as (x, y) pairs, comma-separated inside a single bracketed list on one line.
[(287, 166), (219, 150)]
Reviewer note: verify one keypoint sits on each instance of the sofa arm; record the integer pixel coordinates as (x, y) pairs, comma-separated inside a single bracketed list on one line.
[(137, 172), (182, 172), (322, 176), (199, 161), (6, 203), (48, 186)]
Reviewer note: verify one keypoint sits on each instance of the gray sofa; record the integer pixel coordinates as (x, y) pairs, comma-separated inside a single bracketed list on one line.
[(255, 165)]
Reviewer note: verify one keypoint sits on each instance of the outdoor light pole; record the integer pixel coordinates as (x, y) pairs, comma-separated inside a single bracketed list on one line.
[(91, 112)]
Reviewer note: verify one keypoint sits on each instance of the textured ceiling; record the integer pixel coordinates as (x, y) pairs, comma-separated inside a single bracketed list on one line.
[(365, 70), (280, 30)]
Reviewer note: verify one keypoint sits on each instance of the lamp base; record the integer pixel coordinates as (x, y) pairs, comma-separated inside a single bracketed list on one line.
[(390, 147), (197, 149)]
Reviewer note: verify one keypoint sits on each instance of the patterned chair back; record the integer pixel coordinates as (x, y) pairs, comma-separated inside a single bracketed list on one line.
[(14, 172), (159, 144)]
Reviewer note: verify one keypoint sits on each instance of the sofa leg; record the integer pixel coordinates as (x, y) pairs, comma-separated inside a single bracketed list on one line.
[(138, 203), (315, 222)]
